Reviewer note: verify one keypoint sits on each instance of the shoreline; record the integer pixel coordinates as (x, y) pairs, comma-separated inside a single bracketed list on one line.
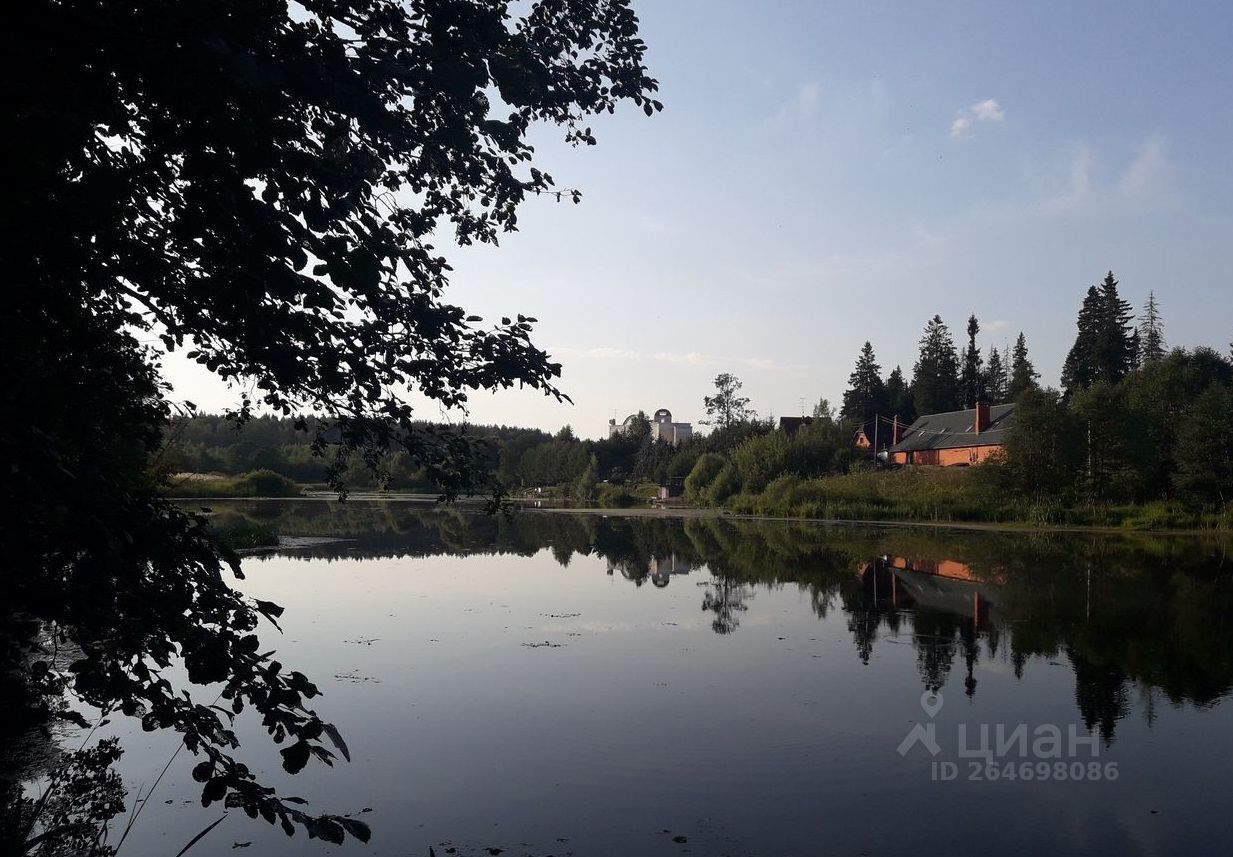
[(691, 512), (970, 526)]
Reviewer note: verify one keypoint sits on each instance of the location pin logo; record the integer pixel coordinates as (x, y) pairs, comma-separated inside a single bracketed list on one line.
[(931, 701)]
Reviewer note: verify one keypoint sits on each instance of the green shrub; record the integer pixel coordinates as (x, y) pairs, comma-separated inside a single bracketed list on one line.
[(611, 496), (265, 483), (256, 483), (704, 471), (726, 483), (197, 486), (682, 463), (760, 459), (585, 487)]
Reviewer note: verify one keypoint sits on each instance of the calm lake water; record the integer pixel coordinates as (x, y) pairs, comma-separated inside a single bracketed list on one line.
[(577, 684)]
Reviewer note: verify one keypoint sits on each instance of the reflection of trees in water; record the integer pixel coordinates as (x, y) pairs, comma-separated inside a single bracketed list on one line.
[(1101, 693), (1054, 596), (726, 599), (78, 792), (934, 635), (83, 793)]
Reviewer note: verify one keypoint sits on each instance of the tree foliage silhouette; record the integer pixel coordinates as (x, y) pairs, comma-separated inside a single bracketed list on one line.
[(866, 393), (1023, 374), (996, 380), (899, 397), (259, 188), (1151, 332), (935, 377), (727, 407), (972, 377), (1104, 348)]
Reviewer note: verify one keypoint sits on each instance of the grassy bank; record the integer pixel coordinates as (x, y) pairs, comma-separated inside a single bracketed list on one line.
[(255, 483), (954, 495), (240, 533), (606, 495)]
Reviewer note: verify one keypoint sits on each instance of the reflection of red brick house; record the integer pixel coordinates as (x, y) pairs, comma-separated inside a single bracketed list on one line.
[(957, 438), (939, 567)]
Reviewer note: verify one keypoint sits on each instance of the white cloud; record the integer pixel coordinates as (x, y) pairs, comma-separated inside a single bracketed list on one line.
[(996, 325), (803, 104), (808, 97), (599, 353), (691, 358), (770, 364), (961, 127), (1082, 185), (679, 358), (1143, 175), (982, 111), (988, 111), (1074, 188)]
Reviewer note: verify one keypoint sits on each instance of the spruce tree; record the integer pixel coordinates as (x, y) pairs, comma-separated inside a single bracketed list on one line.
[(866, 394), (1023, 374), (972, 380), (1151, 333), (996, 378), (899, 398), (1115, 342), (1104, 348), (935, 386), (1079, 370)]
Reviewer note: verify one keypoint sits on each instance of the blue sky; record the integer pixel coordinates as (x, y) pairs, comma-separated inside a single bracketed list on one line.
[(829, 172)]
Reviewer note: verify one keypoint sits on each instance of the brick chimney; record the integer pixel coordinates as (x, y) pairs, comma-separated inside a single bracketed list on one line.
[(982, 416)]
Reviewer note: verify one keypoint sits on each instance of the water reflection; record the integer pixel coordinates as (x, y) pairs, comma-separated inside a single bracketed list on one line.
[(659, 569), (1130, 614), (525, 694)]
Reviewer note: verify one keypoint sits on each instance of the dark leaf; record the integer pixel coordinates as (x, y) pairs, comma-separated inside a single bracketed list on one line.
[(295, 757), (337, 739), (214, 790), (358, 829)]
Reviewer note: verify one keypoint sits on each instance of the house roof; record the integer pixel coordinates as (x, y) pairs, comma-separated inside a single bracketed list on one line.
[(794, 424), (871, 430), (956, 429)]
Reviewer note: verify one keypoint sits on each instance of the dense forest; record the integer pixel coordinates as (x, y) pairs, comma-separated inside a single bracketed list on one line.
[(1134, 422)]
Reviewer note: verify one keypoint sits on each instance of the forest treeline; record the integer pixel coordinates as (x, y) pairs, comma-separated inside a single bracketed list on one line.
[(1133, 422)]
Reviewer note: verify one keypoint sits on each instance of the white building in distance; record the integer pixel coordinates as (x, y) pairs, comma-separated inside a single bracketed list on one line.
[(662, 427)]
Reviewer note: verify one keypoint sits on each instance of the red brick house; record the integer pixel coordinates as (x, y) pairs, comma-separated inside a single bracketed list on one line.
[(954, 439)]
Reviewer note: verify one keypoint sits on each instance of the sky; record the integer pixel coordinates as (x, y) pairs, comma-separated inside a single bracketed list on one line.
[(826, 173)]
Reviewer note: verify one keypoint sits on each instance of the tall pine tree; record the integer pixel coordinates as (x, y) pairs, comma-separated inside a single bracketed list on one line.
[(866, 394), (1023, 374), (1104, 348), (1115, 353), (935, 385), (996, 378), (972, 379), (899, 398), (1151, 332), (1079, 370)]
